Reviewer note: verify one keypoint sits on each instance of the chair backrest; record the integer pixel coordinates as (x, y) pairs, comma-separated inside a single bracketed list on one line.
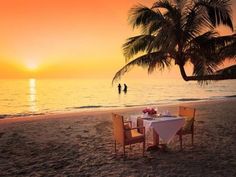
[(118, 125), (187, 112), (140, 124)]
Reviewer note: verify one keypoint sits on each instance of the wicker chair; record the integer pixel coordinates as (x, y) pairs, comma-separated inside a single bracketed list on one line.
[(140, 124), (188, 128), (124, 134)]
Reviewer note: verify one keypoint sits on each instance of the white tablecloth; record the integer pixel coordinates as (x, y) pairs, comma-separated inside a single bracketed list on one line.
[(165, 127)]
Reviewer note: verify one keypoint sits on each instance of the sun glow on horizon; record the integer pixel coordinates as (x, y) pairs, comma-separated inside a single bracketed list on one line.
[(32, 66)]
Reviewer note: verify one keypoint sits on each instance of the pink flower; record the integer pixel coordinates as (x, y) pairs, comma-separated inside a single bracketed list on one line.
[(150, 111)]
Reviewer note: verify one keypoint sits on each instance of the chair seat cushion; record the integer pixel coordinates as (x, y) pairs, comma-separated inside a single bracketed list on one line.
[(134, 136)]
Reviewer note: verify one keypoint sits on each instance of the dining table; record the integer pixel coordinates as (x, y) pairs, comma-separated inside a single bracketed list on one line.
[(162, 127)]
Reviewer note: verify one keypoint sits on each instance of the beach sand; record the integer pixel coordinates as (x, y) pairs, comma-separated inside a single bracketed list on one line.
[(81, 144)]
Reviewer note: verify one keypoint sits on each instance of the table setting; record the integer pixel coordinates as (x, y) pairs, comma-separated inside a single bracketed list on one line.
[(164, 125)]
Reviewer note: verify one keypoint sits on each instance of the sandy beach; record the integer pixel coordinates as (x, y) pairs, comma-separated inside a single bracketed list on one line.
[(81, 144)]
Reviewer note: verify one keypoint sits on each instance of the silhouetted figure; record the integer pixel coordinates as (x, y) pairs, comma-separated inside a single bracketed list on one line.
[(119, 88), (125, 88)]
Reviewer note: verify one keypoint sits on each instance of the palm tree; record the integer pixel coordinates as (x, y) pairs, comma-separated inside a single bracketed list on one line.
[(179, 32)]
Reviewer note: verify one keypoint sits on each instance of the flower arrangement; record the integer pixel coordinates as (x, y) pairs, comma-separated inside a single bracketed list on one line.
[(150, 111)]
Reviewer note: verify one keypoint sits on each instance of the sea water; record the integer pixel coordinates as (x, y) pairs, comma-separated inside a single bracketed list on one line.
[(39, 96)]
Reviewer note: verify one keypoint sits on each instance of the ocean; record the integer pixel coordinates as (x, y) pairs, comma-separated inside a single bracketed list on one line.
[(40, 96)]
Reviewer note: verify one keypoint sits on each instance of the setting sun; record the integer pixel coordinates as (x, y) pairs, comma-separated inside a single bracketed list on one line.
[(32, 66)]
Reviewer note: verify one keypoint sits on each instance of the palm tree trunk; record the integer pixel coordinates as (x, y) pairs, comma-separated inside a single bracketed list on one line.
[(211, 77), (206, 77), (183, 73)]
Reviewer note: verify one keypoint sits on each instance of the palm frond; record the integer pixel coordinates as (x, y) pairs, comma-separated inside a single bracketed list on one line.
[(194, 23), (183, 5), (203, 45), (219, 11), (150, 61), (220, 47), (154, 26), (222, 42), (207, 53), (165, 40), (141, 16), (204, 65), (136, 44), (172, 11), (165, 4), (229, 51)]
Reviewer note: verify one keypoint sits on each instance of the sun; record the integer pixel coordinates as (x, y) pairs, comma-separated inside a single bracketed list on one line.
[(32, 66)]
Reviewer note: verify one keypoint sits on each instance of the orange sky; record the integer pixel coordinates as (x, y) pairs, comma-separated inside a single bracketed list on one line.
[(63, 38)]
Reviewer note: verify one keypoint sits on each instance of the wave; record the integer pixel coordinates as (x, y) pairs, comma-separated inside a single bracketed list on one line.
[(84, 107), (190, 99), (222, 97), (2, 116), (91, 106), (136, 105), (230, 96), (148, 104)]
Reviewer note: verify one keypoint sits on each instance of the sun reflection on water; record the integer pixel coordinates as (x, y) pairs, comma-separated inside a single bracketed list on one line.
[(32, 95)]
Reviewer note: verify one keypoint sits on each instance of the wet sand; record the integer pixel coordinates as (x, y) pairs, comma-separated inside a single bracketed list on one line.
[(81, 144)]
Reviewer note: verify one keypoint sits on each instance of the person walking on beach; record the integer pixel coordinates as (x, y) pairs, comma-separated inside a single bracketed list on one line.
[(125, 88), (119, 88)]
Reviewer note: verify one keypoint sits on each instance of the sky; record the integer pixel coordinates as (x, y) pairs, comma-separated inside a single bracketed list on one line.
[(65, 38)]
